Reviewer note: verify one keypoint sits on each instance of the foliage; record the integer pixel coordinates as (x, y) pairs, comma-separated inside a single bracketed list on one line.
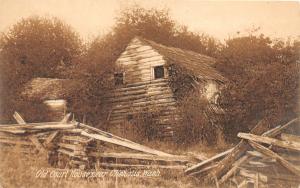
[(197, 123), (264, 81), (152, 24), (40, 47), (141, 126), (34, 47), (98, 64)]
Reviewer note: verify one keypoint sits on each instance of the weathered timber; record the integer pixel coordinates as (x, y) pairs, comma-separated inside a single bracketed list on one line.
[(271, 141), (66, 118), (208, 161), (75, 138), (103, 133), (37, 144), (237, 151), (271, 154), (252, 175), (27, 125), (73, 147), (233, 169), (57, 126), (50, 138), (290, 137), (204, 171), (125, 144), (277, 130), (112, 165), (19, 118), (140, 156)]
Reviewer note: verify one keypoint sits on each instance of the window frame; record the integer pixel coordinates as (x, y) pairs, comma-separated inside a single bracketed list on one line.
[(163, 72)]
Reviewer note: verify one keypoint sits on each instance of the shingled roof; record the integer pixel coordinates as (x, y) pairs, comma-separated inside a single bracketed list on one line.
[(200, 65), (49, 88)]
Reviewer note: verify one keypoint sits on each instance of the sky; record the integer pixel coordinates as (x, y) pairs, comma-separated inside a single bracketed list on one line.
[(220, 19)]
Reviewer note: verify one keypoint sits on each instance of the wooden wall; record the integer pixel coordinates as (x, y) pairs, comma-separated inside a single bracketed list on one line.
[(140, 90), (57, 109)]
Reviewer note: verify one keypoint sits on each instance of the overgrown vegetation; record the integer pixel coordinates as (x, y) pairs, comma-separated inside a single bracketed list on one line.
[(34, 47), (16, 171), (196, 125), (263, 73), (264, 81)]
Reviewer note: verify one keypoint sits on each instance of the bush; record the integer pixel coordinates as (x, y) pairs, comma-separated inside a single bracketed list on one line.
[(196, 124)]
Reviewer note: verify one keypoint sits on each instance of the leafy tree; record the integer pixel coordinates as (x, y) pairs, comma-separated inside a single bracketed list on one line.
[(35, 47), (40, 47), (264, 81), (152, 24)]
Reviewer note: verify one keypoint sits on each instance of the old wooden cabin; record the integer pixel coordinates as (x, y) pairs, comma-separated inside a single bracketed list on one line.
[(143, 82), (49, 95)]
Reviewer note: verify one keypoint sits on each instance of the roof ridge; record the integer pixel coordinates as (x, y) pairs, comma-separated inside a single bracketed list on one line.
[(148, 41), (201, 65)]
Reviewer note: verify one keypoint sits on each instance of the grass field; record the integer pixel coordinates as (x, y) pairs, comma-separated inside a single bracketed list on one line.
[(19, 170)]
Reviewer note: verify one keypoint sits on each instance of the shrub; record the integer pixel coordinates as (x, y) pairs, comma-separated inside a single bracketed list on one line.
[(198, 124)]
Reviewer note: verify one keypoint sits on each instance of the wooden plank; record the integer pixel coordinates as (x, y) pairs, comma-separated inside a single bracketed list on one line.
[(233, 170), (66, 118), (208, 161), (255, 154), (70, 146), (112, 165), (271, 154), (238, 151), (281, 176), (14, 131), (72, 131), (26, 125), (50, 138), (77, 138), (256, 184), (270, 141), (290, 137), (66, 152), (126, 144), (19, 118), (277, 130), (57, 126), (37, 144), (199, 157), (103, 133), (203, 171), (252, 175), (140, 156)]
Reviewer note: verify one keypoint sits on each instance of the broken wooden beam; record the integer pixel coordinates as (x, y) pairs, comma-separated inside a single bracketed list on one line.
[(19, 118), (233, 170), (135, 146), (271, 141), (208, 161), (277, 130), (273, 155), (238, 151), (290, 137)]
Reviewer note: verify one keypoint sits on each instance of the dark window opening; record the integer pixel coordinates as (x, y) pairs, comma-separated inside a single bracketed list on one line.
[(119, 79), (159, 72)]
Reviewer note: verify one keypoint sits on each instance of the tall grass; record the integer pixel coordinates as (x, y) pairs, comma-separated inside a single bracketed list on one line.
[(19, 170)]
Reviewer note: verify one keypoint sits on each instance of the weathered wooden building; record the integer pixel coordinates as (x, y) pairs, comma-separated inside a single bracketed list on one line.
[(52, 93), (145, 71)]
